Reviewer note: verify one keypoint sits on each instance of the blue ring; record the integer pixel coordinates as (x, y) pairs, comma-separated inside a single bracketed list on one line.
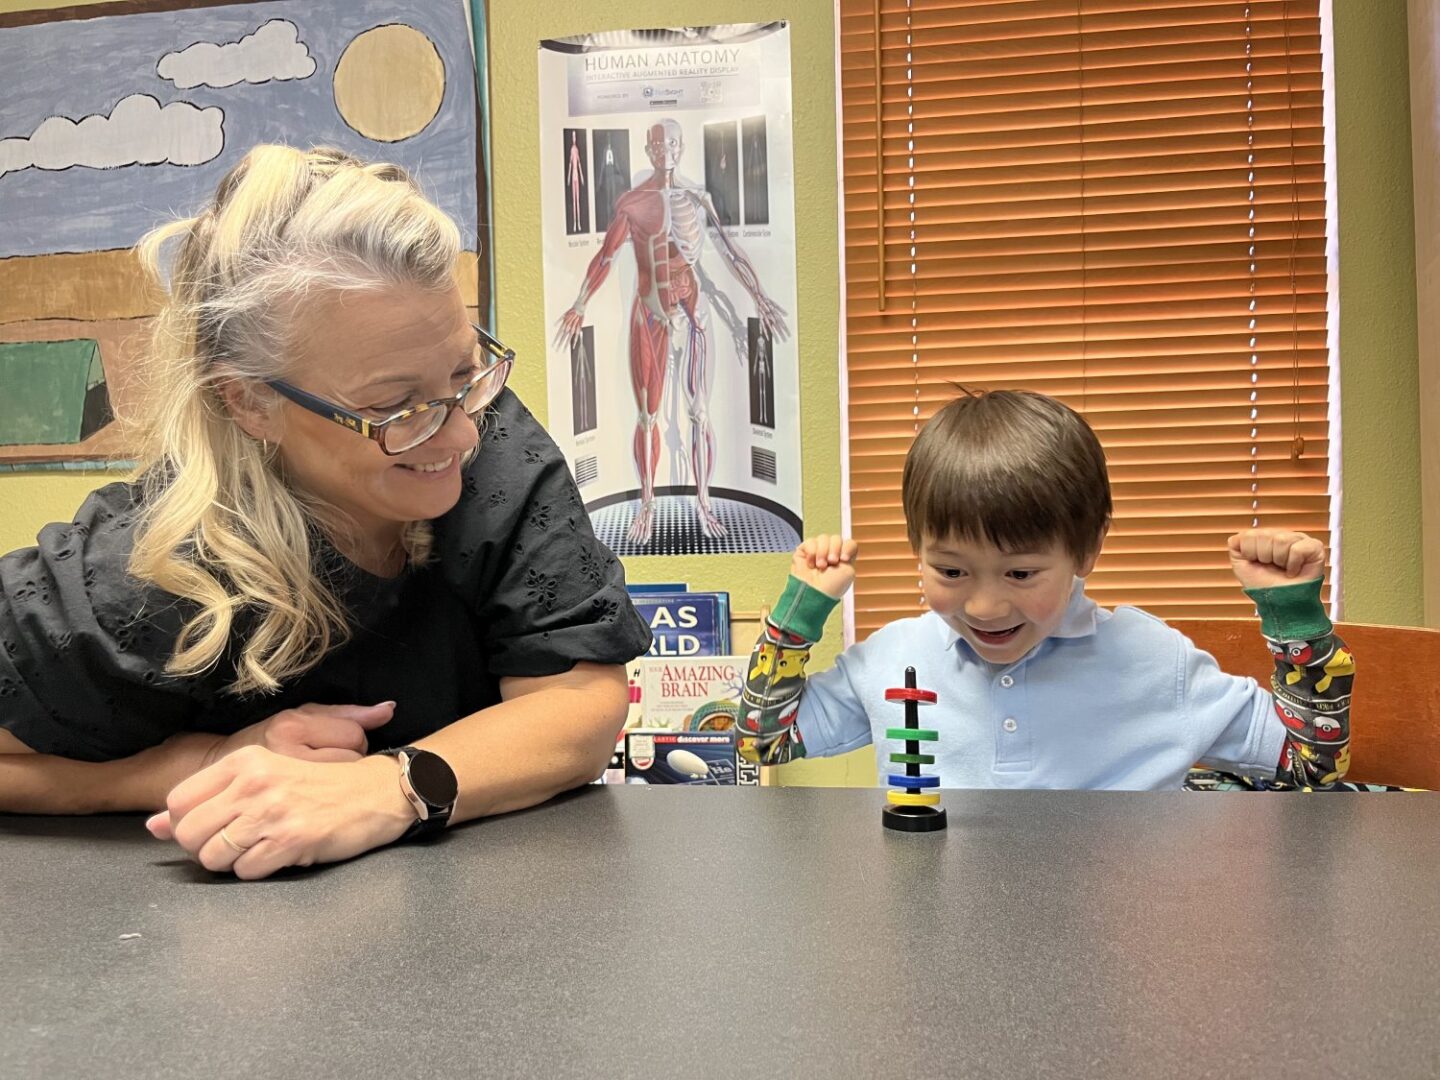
[(914, 781)]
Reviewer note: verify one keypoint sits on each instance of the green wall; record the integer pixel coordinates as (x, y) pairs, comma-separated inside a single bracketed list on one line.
[(1381, 512), (1379, 353)]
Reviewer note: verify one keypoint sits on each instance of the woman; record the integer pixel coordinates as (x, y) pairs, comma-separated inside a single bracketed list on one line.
[(339, 504)]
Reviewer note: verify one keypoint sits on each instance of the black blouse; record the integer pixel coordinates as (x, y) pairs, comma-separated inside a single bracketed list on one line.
[(518, 585)]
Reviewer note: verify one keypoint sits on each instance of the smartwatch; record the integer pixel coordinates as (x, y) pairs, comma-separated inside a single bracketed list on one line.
[(429, 785)]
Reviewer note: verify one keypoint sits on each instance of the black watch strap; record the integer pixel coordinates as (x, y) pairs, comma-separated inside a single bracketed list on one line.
[(432, 784)]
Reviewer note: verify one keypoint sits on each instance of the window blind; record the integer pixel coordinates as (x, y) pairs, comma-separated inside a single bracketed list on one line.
[(1117, 202)]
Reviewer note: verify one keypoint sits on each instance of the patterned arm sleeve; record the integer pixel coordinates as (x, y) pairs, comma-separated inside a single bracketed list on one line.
[(775, 676), (1311, 685)]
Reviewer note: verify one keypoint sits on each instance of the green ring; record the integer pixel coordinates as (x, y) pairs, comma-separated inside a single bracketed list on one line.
[(913, 759), (910, 734)]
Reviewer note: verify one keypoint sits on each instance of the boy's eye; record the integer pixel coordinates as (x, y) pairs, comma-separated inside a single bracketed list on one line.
[(949, 572), (1022, 575)]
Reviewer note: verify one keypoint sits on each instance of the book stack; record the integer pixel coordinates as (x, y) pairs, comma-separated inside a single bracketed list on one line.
[(689, 682)]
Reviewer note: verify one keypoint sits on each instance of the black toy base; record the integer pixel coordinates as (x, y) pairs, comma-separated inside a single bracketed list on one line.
[(914, 818)]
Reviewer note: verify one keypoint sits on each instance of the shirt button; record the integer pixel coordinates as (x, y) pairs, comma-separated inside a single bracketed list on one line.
[(1009, 724), (1007, 681)]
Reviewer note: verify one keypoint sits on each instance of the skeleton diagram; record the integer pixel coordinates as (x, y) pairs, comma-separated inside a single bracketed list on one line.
[(666, 221), (762, 381)]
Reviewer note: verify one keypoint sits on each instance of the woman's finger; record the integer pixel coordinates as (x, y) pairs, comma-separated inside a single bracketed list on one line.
[(322, 732), (227, 844), (196, 828), (260, 861), (329, 753), (206, 784)]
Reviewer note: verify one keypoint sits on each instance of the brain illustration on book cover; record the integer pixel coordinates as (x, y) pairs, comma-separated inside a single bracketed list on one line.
[(694, 695)]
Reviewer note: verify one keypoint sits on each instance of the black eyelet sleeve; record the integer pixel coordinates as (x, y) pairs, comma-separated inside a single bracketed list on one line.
[(519, 550), (83, 645)]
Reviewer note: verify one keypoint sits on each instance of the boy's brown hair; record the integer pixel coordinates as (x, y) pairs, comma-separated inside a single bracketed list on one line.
[(1016, 468)]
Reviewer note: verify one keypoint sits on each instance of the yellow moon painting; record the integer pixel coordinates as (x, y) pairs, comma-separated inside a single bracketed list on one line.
[(389, 83)]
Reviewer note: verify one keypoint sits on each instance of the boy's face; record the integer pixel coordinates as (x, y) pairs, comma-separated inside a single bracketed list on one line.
[(1002, 603)]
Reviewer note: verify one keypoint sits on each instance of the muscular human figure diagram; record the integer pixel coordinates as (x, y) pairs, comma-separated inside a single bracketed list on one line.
[(575, 178), (666, 221)]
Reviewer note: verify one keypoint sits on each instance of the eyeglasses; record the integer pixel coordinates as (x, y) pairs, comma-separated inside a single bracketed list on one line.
[(411, 427)]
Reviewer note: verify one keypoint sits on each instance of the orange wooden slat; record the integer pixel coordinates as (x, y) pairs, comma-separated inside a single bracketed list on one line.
[(1085, 197)]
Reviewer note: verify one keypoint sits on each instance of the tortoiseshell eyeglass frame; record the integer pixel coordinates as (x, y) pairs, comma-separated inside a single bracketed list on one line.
[(502, 359)]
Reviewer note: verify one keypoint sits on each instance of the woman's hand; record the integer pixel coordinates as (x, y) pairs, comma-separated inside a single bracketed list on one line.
[(826, 563), (1262, 558), (255, 811), (312, 732)]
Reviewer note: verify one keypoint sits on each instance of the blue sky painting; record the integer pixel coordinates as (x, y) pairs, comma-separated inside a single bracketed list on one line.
[(112, 124)]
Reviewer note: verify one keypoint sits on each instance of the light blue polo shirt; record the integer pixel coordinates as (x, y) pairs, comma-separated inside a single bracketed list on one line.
[(1115, 700)]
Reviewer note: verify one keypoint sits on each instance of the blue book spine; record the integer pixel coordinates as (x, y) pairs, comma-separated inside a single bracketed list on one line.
[(686, 623)]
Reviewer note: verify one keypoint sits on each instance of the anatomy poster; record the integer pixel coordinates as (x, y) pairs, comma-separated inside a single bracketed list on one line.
[(669, 247)]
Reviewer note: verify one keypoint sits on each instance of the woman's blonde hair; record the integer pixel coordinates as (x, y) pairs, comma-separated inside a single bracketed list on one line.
[(220, 525)]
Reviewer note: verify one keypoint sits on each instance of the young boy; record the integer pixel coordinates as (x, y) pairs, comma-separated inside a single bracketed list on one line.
[(1007, 502)]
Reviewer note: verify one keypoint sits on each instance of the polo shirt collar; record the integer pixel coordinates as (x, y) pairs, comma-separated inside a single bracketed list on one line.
[(1081, 616)]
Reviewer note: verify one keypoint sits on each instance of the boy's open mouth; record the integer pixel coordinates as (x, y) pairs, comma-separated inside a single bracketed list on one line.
[(995, 637)]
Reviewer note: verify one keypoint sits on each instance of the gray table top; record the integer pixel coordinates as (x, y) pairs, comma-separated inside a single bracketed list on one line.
[(741, 932)]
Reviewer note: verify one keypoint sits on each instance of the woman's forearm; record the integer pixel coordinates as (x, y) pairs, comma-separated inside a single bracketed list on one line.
[(551, 734), (47, 784)]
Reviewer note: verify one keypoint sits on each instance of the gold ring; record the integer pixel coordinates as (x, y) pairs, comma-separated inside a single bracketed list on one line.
[(239, 849)]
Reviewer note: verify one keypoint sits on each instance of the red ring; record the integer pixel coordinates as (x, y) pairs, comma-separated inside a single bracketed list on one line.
[(911, 693)]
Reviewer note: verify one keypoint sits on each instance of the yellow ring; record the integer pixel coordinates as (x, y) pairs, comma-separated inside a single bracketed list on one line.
[(238, 848), (919, 798)]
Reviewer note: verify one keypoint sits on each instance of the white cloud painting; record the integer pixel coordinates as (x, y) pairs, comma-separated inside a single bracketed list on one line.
[(273, 53), (138, 131)]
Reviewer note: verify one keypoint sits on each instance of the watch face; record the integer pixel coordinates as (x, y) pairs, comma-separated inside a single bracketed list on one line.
[(432, 779)]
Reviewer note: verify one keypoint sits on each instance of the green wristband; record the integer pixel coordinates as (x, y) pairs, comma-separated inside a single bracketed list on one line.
[(802, 610), (1292, 612)]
